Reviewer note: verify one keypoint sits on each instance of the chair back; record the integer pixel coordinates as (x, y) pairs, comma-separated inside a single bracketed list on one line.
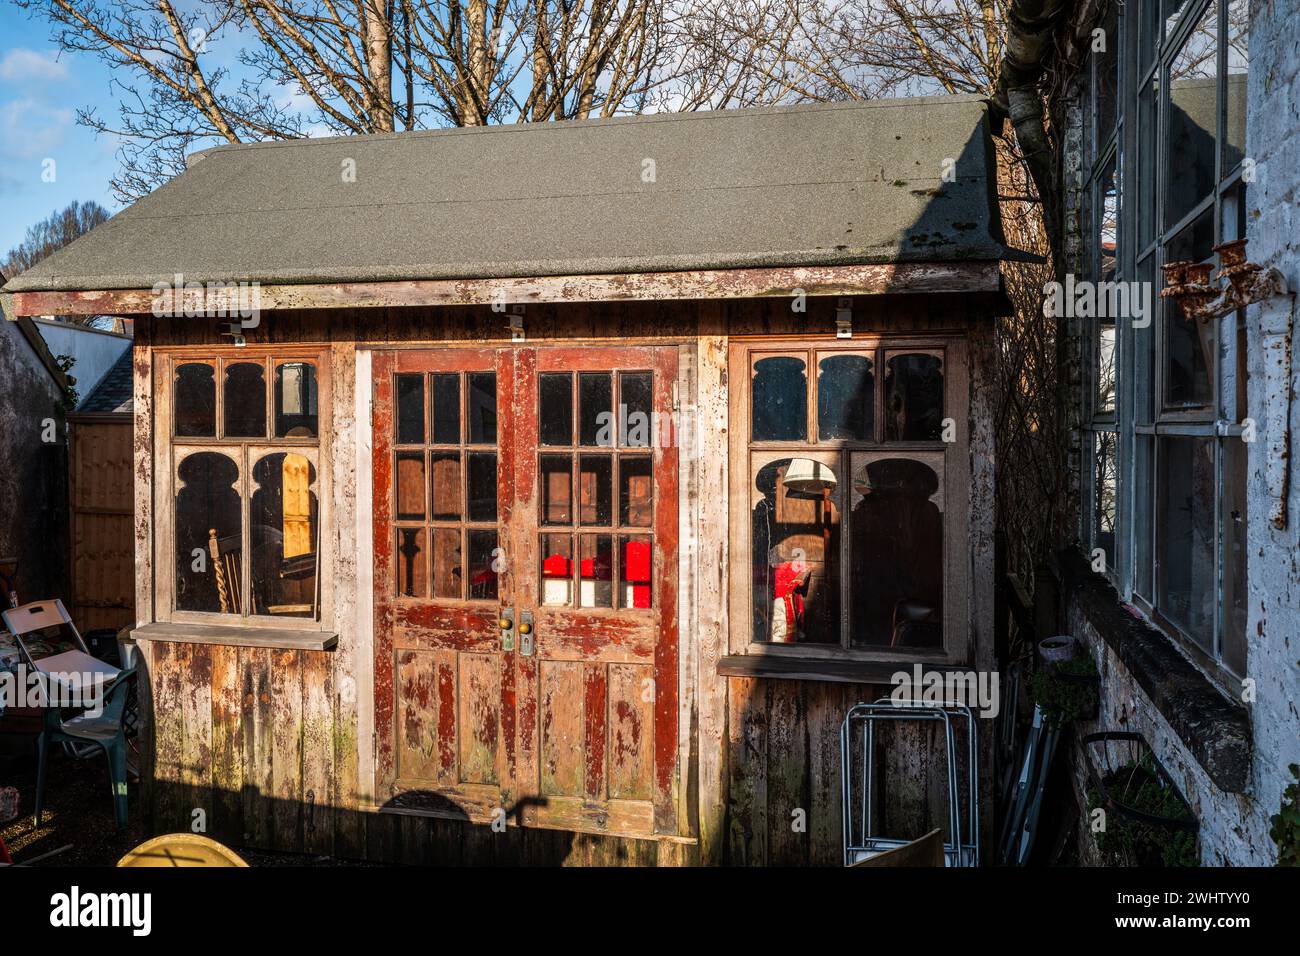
[(37, 616), (225, 553)]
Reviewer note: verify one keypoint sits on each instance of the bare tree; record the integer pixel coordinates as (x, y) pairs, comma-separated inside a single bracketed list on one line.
[(50, 235)]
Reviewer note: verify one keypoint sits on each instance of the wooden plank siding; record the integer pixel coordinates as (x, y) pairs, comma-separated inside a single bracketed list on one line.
[(277, 745), (101, 493)]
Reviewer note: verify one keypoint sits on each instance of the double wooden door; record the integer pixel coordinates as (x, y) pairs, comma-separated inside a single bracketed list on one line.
[(525, 534)]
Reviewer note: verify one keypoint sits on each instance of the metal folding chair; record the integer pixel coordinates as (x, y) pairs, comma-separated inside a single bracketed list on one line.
[(858, 735)]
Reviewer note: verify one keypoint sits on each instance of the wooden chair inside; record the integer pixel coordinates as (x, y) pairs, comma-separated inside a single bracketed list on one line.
[(226, 554)]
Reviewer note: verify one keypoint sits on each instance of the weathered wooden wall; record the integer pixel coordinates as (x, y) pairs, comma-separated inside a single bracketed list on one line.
[(101, 493), (276, 745)]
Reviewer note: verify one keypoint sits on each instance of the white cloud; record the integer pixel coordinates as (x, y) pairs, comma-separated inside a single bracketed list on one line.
[(32, 130), (21, 64)]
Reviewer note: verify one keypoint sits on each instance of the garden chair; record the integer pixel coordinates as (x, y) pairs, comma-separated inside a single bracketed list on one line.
[(107, 731), (38, 617)]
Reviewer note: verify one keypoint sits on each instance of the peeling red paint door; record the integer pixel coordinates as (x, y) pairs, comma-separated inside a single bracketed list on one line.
[(595, 523), (445, 690)]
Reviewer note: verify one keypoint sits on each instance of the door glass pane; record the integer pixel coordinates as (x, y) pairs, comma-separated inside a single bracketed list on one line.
[(209, 534), (897, 554), (635, 404), (846, 398), (595, 415), (1108, 76), (446, 563), (195, 398), (595, 570), (1238, 60), (444, 479), (913, 397), (635, 561), (1144, 493), (245, 400), (557, 489), (410, 409), (284, 520), (1185, 536), (779, 399), (1189, 345), (412, 563), (595, 490), (446, 408), (635, 492), (482, 484), (295, 400), (483, 564), (557, 570), (483, 408), (410, 486), (1108, 228), (795, 549), (555, 409), (1193, 120), (1145, 192)]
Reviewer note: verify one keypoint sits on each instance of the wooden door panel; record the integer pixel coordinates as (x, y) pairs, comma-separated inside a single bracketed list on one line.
[(444, 684)]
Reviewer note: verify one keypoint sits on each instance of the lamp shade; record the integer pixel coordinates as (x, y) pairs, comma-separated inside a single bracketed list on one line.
[(807, 477)]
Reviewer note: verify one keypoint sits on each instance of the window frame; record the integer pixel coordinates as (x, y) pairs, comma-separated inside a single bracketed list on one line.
[(170, 449), (956, 648), (1142, 417)]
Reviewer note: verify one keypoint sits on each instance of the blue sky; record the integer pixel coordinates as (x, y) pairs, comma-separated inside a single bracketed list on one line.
[(40, 92)]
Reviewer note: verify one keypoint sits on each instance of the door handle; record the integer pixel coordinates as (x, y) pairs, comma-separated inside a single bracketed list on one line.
[(527, 639), (506, 624)]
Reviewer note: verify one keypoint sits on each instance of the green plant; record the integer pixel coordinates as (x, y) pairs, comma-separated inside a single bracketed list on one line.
[(1128, 841), (1286, 823), (1065, 691)]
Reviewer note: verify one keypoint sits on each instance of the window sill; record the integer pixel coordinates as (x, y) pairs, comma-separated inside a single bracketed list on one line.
[(232, 636), (1214, 728), (823, 669)]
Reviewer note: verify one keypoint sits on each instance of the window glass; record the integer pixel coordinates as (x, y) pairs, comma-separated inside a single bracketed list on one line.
[(1238, 62), (635, 406), (913, 397), (446, 562), (410, 486), (557, 489), (896, 542), (483, 564), (1186, 577), (446, 408), (444, 481), (410, 409), (1189, 345), (846, 397), (595, 414), (245, 400), (779, 399), (412, 563), (557, 570), (1192, 121), (595, 570), (795, 547), (555, 409), (194, 411), (1103, 497), (595, 490), (481, 485), (1108, 61), (635, 564), (635, 492), (1108, 234), (285, 524), (295, 400), (208, 533), (483, 408)]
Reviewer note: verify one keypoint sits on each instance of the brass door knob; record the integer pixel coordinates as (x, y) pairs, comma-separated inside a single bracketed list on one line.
[(504, 623), (525, 628)]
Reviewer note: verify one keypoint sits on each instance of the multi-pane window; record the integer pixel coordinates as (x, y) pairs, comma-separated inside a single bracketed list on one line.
[(596, 508), (246, 488), (1164, 460), (445, 486), (847, 525)]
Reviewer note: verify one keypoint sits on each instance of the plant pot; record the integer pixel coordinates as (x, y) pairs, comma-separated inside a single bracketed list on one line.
[(1062, 647)]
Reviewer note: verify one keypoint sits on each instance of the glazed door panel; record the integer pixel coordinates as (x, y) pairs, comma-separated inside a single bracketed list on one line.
[(444, 671), (595, 516)]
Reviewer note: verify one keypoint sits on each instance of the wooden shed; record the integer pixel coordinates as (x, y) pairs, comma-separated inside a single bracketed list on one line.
[(558, 486)]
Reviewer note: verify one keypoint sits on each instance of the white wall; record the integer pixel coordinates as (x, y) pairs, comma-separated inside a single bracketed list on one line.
[(1273, 629), (94, 350)]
